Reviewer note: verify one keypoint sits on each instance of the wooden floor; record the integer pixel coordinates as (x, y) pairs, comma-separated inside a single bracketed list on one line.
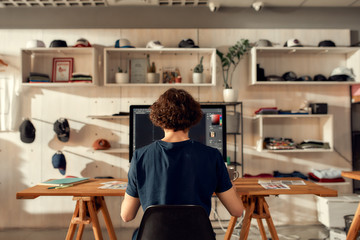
[(313, 232)]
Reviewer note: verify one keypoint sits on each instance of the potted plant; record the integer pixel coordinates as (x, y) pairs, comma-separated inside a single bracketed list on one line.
[(152, 76), (229, 62), (121, 77), (198, 72)]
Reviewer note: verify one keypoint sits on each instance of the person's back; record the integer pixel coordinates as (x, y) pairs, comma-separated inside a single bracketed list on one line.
[(177, 170), (184, 172)]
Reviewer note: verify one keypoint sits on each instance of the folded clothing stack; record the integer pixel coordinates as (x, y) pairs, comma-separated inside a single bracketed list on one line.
[(326, 175), (293, 174), (261, 175), (81, 77), (38, 77)]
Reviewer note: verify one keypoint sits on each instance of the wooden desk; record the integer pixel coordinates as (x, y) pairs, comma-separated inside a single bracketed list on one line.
[(355, 225), (89, 201), (253, 197)]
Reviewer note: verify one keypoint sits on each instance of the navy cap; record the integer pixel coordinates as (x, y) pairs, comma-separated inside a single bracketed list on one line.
[(326, 43), (59, 161), (27, 131), (62, 129), (123, 43)]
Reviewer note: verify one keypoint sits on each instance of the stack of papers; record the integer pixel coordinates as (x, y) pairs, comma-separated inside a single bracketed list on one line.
[(64, 181), (114, 185), (279, 184)]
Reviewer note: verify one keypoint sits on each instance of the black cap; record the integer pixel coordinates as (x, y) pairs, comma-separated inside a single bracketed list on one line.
[(62, 129), (320, 77), (326, 43), (289, 76), (187, 43), (58, 43), (27, 131)]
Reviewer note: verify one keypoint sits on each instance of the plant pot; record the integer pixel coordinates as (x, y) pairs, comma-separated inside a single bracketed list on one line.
[(153, 77), (198, 78), (121, 77), (230, 95)]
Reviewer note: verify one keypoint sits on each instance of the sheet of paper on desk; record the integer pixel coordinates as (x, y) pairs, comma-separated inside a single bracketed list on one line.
[(274, 185), (114, 185), (287, 182)]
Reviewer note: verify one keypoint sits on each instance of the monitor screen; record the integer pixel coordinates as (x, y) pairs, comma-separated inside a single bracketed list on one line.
[(211, 130)]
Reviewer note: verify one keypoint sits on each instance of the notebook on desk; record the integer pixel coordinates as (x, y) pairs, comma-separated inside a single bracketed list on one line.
[(64, 181)]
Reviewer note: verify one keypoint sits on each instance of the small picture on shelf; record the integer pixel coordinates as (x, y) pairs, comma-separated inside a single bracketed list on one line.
[(62, 69), (137, 70)]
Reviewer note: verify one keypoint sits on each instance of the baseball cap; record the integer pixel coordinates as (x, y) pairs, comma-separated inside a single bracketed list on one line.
[(154, 44), (304, 78), (123, 43), (62, 129), (187, 43), (293, 43), (58, 43), (101, 144), (82, 42), (27, 131), (33, 43), (326, 43), (289, 76), (263, 43), (320, 77), (59, 161), (342, 74)]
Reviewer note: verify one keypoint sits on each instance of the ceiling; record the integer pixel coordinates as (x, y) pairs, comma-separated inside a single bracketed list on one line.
[(179, 3)]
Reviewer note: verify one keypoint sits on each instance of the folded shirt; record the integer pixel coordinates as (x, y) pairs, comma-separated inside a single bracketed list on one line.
[(330, 173), (293, 174), (261, 175), (316, 179)]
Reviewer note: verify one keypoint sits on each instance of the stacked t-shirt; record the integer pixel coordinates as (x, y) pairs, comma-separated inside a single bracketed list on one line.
[(38, 77), (326, 175), (81, 77)]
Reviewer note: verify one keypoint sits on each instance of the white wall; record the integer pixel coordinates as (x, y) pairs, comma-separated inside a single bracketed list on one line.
[(23, 165)]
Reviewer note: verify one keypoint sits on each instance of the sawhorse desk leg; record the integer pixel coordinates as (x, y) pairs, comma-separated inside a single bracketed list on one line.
[(355, 226), (255, 207), (86, 211)]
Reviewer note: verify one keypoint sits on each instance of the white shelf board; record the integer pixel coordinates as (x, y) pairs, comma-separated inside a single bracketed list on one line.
[(158, 85), (292, 116), (52, 84), (107, 117), (307, 50), (305, 83), (297, 150), (163, 50)]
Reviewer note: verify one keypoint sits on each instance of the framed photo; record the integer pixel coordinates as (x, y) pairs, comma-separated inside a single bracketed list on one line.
[(138, 70), (62, 69)]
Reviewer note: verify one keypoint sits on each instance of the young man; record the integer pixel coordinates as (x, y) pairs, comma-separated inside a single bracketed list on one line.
[(176, 169)]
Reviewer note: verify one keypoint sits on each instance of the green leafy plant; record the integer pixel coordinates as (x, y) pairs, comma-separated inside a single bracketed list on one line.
[(151, 67), (120, 70), (199, 68), (230, 61)]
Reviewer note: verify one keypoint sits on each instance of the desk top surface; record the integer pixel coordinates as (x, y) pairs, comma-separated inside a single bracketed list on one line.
[(250, 186), (244, 186), (87, 189), (354, 175)]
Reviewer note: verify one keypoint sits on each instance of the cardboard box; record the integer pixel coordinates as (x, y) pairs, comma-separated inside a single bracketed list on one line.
[(331, 210)]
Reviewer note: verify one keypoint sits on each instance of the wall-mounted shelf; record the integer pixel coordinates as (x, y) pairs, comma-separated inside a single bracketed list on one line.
[(296, 127), (183, 59), (40, 60), (108, 117), (303, 61)]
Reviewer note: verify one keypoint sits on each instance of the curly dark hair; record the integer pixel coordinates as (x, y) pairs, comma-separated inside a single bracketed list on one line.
[(175, 109)]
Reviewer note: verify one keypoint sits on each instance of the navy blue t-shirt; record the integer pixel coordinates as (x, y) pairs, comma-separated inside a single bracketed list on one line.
[(185, 172)]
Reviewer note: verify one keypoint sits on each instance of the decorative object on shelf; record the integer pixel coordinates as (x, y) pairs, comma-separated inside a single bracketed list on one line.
[(177, 76), (62, 69), (137, 70), (121, 77), (101, 144), (229, 62), (198, 76), (152, 76)]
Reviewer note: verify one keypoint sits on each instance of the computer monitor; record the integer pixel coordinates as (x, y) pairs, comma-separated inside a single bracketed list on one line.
[(211, 130)]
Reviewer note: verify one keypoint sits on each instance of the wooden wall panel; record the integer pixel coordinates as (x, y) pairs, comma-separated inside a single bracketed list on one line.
[(24, 165)]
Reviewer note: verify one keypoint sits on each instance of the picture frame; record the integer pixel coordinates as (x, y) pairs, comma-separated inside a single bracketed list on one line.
[(62, 69)]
